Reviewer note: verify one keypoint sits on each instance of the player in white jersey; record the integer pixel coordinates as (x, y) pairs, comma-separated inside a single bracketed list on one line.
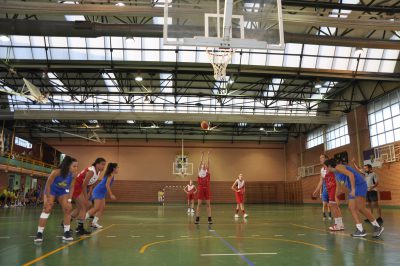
[(190, 190), (84, 184), (239, 188)]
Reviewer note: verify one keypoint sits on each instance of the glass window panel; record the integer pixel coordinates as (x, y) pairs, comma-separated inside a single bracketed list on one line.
[(152, 46), (389, 137), (397, 134), (133, 52), (386, 113), (275, 59), (379, 116), (381, 139), (327, 52), (259, 58), (374, 141), (23, 53), (388, 124), (39, 53), (396, 121), (372, 130), (58, 42), (341, 63), (380, 128), (59, 54), (371, 118)]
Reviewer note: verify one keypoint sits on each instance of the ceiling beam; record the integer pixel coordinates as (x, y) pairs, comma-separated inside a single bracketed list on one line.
[(178, 117), (94, 29)]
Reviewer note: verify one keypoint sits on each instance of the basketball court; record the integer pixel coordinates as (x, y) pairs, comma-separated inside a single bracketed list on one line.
[(200, 132)]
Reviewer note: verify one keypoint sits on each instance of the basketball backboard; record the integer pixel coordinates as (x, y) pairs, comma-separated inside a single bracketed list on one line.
[(245, 24)]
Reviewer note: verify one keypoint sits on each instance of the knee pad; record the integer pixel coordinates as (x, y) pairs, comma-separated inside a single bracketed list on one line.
[(44, 215)]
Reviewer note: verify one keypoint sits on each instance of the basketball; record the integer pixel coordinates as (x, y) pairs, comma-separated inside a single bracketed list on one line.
[(204, 125)]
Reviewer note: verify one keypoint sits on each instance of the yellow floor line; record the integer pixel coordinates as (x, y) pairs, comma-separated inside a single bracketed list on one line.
[(64, 247), (145, 247)]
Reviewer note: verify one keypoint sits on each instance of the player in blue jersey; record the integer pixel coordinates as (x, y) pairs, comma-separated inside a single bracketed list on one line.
[(99, 194), (58, 188), (357, 187)]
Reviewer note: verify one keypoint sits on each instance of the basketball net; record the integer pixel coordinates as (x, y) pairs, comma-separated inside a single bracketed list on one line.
[(219, 59)]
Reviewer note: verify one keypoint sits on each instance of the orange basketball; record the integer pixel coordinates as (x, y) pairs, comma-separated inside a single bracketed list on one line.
[(204, 125)]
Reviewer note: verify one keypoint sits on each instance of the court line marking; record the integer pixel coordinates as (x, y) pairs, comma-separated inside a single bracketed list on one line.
[(243, 257), (343, 234), (238, 254), (135, 236), (65, 246), (111, 236), (143, 249), (160, 236), (278, 235), (3, 237)]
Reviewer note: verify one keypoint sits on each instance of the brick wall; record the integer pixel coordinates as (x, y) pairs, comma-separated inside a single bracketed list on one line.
[(256, 192)]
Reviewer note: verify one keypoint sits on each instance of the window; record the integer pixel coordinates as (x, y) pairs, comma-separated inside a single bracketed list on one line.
[(23, 143), (384, 119), (337, 135), (315, 138)]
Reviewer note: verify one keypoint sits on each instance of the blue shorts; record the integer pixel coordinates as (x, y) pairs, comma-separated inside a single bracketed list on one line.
[(98, 194), (361, 190), (57, 191), (325, 196)]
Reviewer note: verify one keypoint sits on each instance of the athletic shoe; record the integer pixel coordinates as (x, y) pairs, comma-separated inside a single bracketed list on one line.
[(188, 210), (38, 238), (192, 211), (245, 215), (378, 231), (96, 225), (367, 221), (67, 236), (380, 221), (336, 227), (358, 233), (197, 221), (209, 220), (237, 215), (82, 231), (329, 218), (5, 206)]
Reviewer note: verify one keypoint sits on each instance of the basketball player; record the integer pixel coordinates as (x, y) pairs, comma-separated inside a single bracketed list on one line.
[(58, 188), (190, 190), (323, 192), (357, 187), (83, 182), (99, 194), (333, 201), (239, 188), (372, 194), (204, 193)]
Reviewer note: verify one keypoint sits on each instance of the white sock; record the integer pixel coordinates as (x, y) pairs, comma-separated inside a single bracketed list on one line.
[(375, 223), (40, 229), (95, 220), (67, 228), (87, 216), (340, 221), (360, 227)]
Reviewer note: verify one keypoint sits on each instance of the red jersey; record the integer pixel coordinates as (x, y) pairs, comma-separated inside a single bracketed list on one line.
[(81, 176), (330, 181), (204, 181)]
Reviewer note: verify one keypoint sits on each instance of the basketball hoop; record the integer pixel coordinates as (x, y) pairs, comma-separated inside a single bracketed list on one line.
[(219, 59)]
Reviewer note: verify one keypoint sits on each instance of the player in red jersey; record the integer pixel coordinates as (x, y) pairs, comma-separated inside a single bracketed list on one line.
[(239, 188), (190, 190), (333, 190), (83, 184), (204, 188)]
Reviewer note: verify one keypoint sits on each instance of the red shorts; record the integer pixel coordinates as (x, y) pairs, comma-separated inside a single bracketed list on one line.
[(331, 187), (239, 197), (77, 190), (204, 193), (190, 196)]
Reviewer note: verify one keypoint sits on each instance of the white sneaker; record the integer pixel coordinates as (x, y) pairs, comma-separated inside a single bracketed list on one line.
[(192, 211), (245, 215), (188, 210), (237, 215), (96, 225), (5, 206)]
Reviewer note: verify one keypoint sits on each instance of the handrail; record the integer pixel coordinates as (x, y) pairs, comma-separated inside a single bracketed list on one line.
[(25, 159)]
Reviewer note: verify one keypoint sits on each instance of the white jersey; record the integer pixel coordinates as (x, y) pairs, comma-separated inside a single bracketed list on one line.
[(323, 172), (95, 176), (190, 188), (240, 184)]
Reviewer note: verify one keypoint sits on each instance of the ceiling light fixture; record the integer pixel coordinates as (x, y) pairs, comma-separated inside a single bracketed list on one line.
[(358, 51)]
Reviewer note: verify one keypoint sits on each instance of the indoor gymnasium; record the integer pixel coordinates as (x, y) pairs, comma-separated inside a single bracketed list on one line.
[(188, 132)]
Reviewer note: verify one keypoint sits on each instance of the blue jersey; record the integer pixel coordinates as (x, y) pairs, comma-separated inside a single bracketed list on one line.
[(61, 185), (100, 191), (358, 178)]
